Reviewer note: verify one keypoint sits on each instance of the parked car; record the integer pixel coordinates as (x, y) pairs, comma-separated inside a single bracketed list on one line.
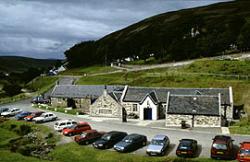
[(88, 136), (187, 148), (11, 112), (45, 117), (33, 115), (131, 142), (222, 147), (76, 129), (109, 139), (40, 100), (3, 109), (244, 152), (60, 125), (21, 115), (158, 145)]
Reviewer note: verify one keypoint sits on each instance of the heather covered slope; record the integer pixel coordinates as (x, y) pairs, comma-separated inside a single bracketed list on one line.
[(190, 33)]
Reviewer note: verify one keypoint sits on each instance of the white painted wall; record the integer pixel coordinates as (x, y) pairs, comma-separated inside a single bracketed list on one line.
[(148, 103)]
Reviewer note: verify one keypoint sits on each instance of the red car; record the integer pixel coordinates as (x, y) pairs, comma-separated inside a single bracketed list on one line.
[(88, 136), (222, 148), (244, 152), (76, 129), (33, 115)]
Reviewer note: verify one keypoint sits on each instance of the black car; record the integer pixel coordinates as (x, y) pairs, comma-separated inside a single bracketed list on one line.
[(187, 148), (130, 143), (109, 139), (40, 100)]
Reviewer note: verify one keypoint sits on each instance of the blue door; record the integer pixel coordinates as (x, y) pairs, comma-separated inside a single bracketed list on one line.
[(148, 114)]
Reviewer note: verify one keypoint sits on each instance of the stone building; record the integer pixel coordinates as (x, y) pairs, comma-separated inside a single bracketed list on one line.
[(194, 110), (196, 106), (107, 105), (77, 96), (151, 103)]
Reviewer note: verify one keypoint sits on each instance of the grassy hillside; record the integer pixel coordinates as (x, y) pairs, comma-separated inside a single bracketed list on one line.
[(190, 33), (203, 73), (20, 64)]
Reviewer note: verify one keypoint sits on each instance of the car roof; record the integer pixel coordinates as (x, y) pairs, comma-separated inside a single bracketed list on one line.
[(159, 137), (245, 145), (90, 131), (134, 135), (66, 120), (222, 138), (116, 132), (188, 140), (47, 113)]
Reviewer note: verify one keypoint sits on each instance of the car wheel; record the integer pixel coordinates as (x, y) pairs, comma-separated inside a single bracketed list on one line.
[(144, 143), (87, 142), (70, 134), (106, 147), (163, 153)]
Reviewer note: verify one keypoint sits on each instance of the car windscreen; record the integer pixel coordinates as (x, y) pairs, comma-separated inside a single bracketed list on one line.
[(246, 152), (185, 145), (157, 142), (106, 137), (83, 134), (128, 139), (220, 146)]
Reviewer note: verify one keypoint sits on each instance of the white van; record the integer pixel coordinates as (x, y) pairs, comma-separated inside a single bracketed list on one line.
[(60, 125)]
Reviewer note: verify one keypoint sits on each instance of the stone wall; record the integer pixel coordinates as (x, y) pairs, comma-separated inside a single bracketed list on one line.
[(105, 106), (174, 120), (59, 102), (129, 107), (229, 112), (82, 104)]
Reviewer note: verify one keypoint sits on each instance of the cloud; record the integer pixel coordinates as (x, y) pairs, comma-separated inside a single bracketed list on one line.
[(46, 28)]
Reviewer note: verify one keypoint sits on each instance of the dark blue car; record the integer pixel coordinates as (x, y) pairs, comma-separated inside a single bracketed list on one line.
[(21, 115)]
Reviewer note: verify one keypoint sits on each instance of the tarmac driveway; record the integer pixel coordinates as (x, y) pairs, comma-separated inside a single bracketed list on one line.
[(204, 138)]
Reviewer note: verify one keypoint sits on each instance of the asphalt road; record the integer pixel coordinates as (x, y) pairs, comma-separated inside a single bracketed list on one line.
[(204, 138)]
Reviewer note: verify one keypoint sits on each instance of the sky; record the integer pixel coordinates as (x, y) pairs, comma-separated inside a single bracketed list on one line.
[(46, 28)]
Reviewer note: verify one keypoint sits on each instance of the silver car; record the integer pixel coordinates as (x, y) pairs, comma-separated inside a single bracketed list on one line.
[(158, 145)]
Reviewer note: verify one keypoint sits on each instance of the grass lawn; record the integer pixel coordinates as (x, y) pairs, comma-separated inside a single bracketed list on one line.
[(88, 70), (39, 85), (242, 127), (42, 84), (73, 152)]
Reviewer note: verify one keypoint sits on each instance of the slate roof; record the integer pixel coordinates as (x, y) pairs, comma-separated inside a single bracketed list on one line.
[(79, 91), (203, 105), (153, 97), (116, 95), (136, 94)]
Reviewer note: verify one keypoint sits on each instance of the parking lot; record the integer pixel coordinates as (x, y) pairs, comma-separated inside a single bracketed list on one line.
[(204, 138)]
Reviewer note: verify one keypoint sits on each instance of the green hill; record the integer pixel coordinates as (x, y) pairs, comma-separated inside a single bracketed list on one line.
[(190, 33), (20, 64)]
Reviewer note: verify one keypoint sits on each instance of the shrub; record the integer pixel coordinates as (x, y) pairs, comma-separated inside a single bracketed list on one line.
[(23, 130)]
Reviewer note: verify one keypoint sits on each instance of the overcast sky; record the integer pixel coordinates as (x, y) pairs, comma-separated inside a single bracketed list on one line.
[(46, 28)]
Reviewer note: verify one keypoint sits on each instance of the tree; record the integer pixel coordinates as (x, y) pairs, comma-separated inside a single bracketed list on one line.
[(12, 89), (243, 40)]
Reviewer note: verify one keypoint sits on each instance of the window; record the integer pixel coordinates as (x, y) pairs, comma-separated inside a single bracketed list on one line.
[(105, 111), (135, 107)]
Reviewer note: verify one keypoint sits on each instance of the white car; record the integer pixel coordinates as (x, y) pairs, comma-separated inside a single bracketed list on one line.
[(45, 117), (60, 125), (11, 112)]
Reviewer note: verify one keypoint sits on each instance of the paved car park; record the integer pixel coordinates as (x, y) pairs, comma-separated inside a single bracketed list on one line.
[(204, 138)]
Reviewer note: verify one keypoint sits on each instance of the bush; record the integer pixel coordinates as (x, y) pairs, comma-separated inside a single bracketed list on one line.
[(23, 130)]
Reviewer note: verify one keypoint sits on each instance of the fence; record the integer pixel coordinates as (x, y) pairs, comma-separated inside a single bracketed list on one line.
[(224, 76)]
